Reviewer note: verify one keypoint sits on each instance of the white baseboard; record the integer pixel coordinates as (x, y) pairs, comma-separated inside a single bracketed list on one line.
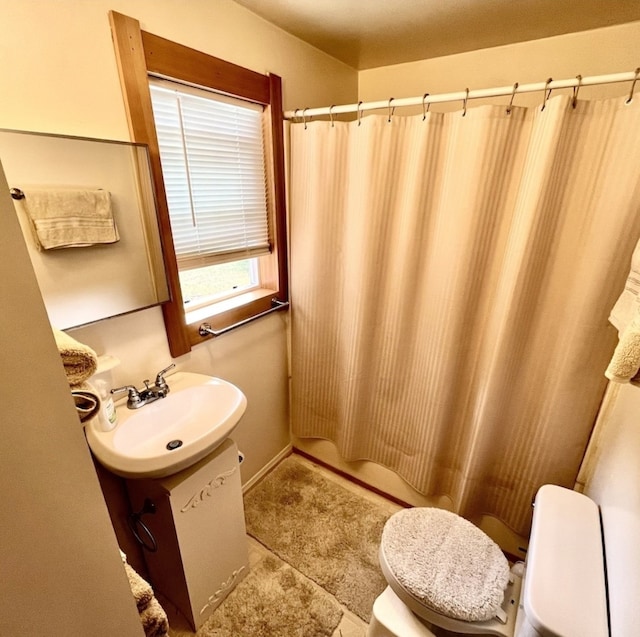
[(272, 463)]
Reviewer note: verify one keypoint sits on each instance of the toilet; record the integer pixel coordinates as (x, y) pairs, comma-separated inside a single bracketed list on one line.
[(446, 577)]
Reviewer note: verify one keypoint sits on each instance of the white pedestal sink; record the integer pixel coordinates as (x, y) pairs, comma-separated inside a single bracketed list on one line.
[(177, 455), (199, 527), (172, 433)]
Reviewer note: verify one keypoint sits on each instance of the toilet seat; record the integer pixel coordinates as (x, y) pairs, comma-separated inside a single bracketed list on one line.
[(417, 614), (448, 572)]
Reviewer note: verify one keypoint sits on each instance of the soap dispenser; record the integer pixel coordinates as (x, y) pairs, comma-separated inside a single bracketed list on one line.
[(107, 417)]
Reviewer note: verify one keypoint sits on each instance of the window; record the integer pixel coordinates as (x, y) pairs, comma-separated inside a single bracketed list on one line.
[(213, 163), (214, 132)]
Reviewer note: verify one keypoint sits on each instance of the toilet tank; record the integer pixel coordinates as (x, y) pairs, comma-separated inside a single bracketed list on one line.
[(564, 591)]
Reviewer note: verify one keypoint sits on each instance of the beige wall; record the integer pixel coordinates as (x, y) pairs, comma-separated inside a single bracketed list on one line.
[(598, 52), (58, 68), (59, 72)]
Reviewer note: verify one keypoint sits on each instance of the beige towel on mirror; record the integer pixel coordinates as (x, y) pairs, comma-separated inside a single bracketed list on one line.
[(79, 360), (69, 218)]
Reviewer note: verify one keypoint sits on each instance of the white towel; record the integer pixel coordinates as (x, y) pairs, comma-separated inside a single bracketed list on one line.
[(625, 363), (70, 218), (626, 305)]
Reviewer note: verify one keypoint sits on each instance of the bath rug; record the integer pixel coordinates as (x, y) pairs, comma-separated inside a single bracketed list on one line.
[(326, 532), (274, 601)]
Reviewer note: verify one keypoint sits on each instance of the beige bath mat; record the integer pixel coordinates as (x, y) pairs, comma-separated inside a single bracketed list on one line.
[(326, 532), (274, 601)]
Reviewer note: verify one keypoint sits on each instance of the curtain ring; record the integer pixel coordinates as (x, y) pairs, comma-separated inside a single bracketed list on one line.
[(359, 113), (304, 119), (464, 103), (331, 114), (576, 89), (546, 93), (425, 110), (513, 94), (633, 86), (390, 110)]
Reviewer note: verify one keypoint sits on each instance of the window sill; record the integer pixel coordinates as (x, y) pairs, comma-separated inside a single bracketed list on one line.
[(225, 313)]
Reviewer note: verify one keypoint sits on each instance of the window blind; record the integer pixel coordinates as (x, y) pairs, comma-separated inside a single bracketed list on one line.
[(213, 164)]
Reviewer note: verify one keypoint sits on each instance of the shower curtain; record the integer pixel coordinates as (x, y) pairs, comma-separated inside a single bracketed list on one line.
[(451, 281)]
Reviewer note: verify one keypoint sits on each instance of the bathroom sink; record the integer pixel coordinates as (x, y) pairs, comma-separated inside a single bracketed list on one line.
[(172, 433)]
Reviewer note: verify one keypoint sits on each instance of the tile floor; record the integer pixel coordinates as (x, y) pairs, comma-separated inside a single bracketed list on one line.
[(350, 625)]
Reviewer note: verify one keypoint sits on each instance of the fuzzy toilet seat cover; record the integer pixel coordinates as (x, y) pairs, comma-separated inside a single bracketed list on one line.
[(445, 563)]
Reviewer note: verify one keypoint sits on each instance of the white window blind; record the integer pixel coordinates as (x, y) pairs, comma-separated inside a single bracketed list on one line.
[(213, 163)]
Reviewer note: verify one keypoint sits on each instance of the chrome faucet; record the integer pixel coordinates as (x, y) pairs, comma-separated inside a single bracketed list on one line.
[(141, 397)]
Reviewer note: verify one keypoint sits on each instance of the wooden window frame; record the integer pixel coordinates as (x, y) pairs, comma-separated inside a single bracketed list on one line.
[(139, 55)]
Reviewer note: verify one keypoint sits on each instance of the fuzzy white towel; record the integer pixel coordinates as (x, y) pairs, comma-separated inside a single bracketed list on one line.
[(625, 363), (626, 305), (68, 218)]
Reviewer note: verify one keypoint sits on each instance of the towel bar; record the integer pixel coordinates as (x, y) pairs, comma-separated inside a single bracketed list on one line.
[(135, 520), (206, 329)]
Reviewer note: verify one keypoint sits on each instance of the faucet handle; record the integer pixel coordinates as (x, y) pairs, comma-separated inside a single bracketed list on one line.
[(160, 381), (134, 394), (129, 388)]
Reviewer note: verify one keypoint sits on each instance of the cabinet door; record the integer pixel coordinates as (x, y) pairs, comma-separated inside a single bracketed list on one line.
[(209, 520)]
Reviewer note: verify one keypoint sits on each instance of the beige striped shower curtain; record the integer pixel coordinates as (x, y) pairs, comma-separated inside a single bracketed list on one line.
[(451, 282)]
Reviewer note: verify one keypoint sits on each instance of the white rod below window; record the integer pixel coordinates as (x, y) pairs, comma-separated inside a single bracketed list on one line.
[(461, 95)]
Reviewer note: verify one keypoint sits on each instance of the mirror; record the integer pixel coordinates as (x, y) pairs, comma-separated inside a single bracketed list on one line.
[(89, 276)]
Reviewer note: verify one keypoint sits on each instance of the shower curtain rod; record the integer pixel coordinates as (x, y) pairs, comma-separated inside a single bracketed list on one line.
[(467, 94)]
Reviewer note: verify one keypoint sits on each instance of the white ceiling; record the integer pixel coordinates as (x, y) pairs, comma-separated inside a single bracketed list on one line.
[(370, 33)]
